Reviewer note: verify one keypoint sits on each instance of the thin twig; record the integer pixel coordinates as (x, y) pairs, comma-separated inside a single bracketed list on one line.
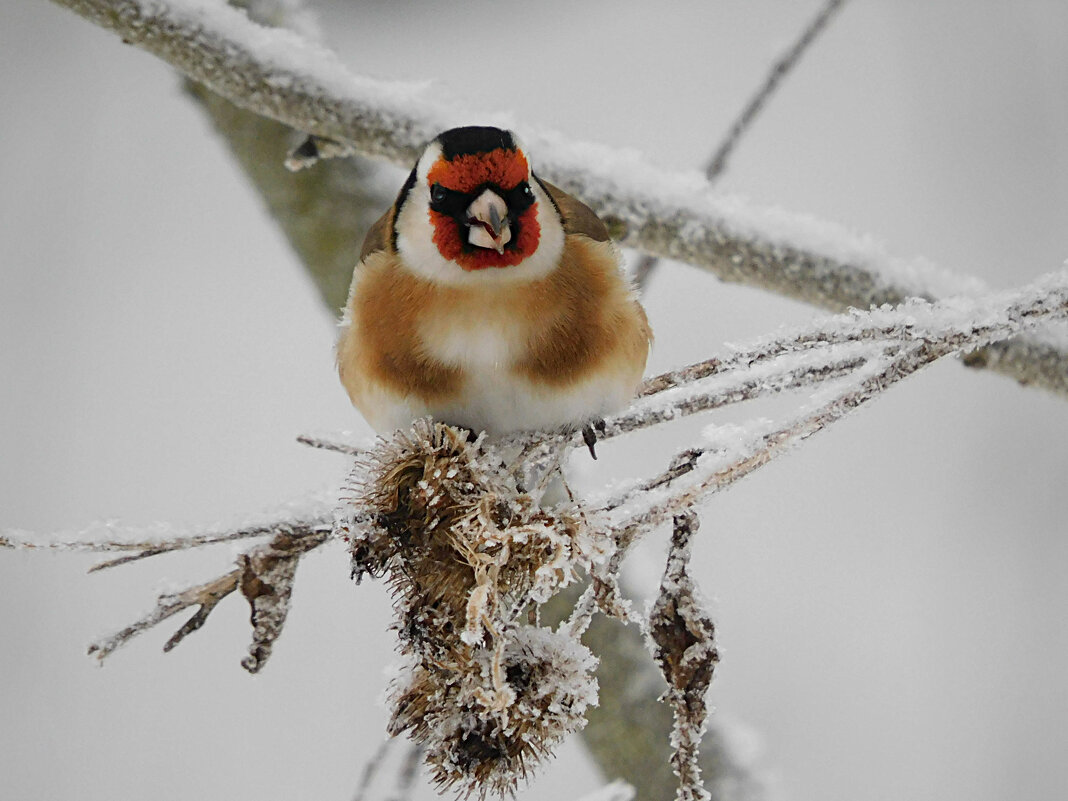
[(371, 768), (161, 539), (715, 166), (206, 595), (330, 445), (257, 578), (408, 773), (779, 70), (295, 526), (1044, 301)]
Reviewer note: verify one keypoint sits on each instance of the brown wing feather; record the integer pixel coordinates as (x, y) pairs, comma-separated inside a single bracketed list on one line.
[(378, 235), (578, 217)]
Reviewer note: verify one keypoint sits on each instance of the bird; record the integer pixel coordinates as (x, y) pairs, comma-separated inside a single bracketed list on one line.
[(489, 299)]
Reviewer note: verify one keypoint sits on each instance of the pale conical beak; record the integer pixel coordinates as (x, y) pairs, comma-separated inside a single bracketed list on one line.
[(487, 222)]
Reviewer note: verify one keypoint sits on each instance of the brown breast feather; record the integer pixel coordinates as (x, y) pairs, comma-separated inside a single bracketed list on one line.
[(580, 319), (382, 342), (583, 319)]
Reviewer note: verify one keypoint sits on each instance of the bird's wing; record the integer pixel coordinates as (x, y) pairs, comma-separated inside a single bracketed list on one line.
[(378, 237), (578, 217)]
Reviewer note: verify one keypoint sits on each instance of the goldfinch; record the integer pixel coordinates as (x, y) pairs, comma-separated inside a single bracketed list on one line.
[(489, 299)]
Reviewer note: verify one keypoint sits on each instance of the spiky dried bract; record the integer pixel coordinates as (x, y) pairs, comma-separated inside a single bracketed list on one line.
[(683, 642), (481, 738), (465, 551)]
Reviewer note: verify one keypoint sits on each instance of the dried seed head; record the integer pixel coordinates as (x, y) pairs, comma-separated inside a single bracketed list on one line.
[(455, 538), (464, 551), (481, 738)]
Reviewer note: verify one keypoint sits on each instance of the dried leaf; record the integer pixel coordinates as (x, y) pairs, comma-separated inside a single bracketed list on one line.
[(683, 639)]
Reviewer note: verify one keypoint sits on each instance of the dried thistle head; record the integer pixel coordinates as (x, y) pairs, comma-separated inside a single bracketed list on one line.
[(454, 536), (464, 551), (483, 738)]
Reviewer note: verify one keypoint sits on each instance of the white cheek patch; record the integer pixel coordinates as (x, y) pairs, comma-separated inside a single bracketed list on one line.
[(415, 239)]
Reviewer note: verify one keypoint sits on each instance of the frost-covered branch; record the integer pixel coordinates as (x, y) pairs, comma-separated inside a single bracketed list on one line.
[(281, 75), (899, 342), (264, 575), (137, 543), (682, 639), (324, 213), (205, 596)]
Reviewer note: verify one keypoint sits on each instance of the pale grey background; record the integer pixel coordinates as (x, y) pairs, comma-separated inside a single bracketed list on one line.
[(890, 598)]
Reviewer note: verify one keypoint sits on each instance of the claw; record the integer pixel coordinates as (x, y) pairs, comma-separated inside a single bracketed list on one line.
[(589, 436)]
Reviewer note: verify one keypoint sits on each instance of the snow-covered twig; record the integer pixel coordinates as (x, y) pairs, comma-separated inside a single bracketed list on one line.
[(156, 540), (264, 575), (913, 336), (330, 444), (137, 543), (281, 75), (899, 342), (682, 640), (205, 596)]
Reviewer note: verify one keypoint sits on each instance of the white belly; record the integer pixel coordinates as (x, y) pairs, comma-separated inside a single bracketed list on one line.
[(500, 402)]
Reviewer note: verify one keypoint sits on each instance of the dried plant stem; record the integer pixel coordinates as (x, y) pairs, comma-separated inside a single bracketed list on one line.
[(145, 550), (682, 640), (264, 576), (206, 596), (329, 445), (166, 542)]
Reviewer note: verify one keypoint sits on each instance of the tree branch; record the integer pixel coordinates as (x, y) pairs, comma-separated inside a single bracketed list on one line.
[(278, 74), (324, 213)]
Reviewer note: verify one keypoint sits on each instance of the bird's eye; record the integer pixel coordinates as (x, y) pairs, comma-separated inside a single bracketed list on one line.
[(527, 191), (438, 193)]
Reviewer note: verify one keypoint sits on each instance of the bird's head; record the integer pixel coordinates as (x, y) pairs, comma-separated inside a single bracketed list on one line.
[(473, 210)]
